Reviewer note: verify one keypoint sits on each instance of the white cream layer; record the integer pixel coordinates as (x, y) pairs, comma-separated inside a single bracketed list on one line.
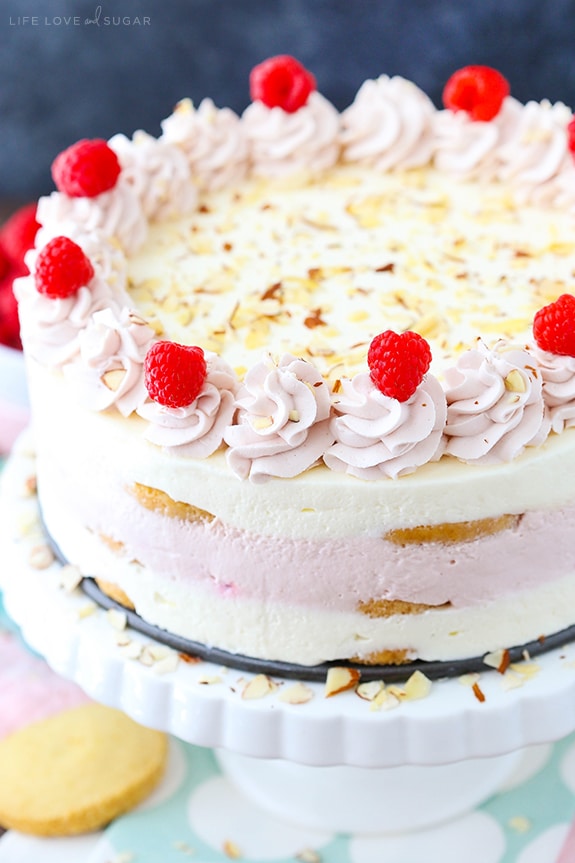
[(308, 635), (318, 504)]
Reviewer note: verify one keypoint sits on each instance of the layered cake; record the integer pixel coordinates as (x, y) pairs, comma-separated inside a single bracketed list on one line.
[(303, 381)]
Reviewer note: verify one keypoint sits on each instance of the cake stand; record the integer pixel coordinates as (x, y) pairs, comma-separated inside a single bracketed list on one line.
[(339, 763)]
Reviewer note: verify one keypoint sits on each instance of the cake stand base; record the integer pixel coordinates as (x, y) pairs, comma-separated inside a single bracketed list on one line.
[(368, 801)]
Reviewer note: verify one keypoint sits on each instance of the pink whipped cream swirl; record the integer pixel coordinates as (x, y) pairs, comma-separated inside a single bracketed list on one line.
[(379, 436), (196, 430), (159, 174), (212, 140), (51, 327), (117, 214), (109, 369), (469, 148), (283, 420), (535, 157), (558, 375), (281, 143), (388, 125), (495, 405)]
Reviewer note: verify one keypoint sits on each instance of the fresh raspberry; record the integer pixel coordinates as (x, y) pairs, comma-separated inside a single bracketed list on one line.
[(398, 362), (62, 268), (174, 374), (478, 90), (554, 326), (571, 137), (18, 233), (281, 82), (9, 322), (86, 169), (4, 262)]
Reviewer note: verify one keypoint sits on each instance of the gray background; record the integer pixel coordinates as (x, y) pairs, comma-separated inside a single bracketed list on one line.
[(60, 82)]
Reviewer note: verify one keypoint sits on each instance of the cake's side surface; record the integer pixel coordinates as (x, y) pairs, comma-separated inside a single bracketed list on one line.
[(371, 456)]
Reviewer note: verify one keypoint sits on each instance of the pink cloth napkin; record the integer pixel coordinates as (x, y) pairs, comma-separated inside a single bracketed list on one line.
[(29, 689)]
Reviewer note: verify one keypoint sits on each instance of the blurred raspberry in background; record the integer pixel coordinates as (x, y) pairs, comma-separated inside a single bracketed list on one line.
[(16, 237)]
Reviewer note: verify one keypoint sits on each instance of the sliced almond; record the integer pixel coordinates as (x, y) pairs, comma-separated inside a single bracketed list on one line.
[(339, 679), (520, 824), (369, 690), (498, 659), (123, 857), (385, 700), (159, 651), (478, 692), (136, 319), (132, 650), (30, 487), (113, 379), (515, 382), (209, 679), (299, 693), (231, 850), (398, 691), (417, 686), (167, 665), (512, 680), (189, 659), (183, 848), (469, 679), (525, 669), (260, 423), (27, 523), (41, 557), (258, 687), (308, 855), (69, 578), (87, 610), (118, 620)]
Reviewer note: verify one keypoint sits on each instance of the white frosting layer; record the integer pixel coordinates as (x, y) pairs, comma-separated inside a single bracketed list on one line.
[(319, 504)]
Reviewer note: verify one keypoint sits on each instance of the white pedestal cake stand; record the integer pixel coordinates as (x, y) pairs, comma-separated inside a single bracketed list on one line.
[(331, 763)]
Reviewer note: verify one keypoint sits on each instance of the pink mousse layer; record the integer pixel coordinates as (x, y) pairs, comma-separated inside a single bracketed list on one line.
[(29, 690), (334, 574)]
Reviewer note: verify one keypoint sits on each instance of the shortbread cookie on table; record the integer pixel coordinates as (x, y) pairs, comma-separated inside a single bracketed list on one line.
[(67, 765)]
